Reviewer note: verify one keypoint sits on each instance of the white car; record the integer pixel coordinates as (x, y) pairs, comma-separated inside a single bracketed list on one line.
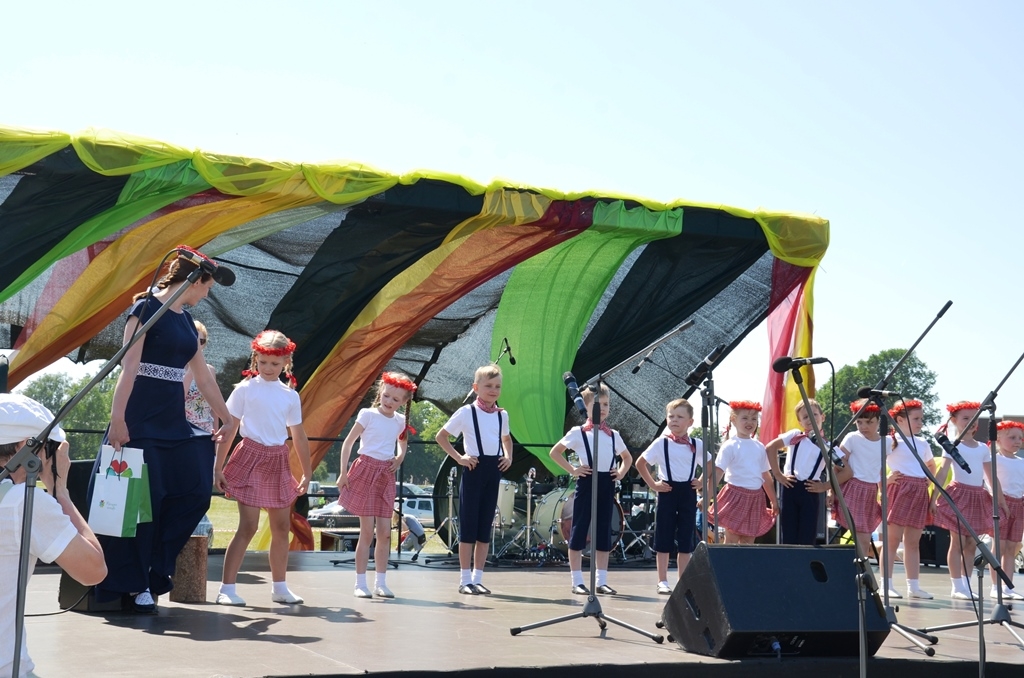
[(421, 508)]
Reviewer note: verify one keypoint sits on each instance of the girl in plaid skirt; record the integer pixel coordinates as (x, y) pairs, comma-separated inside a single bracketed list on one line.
[(907, 490), (860, 478), (968, 493), (740, 507), (368, 488), (1010, 471), (258, 475)]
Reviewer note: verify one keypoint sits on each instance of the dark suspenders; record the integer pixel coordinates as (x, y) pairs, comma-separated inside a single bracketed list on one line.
[(668, 464), (476, 430), (817, 464), (586, 447)]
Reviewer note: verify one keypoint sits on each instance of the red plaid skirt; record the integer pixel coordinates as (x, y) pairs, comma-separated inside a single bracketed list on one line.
[(909, 502), (862, 498), (258, 475), (1011, 526), (743, 511), (974, 502), (370, 490)]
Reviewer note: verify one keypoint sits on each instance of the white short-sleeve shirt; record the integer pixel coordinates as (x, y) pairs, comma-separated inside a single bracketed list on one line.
[(744, 461), (266, 409), (681, 459), (52, 531), (904, 459), (380, 433), (975, 457), (1010, 472), (803, 460), (608, 447), (865, 456), (490, 433)]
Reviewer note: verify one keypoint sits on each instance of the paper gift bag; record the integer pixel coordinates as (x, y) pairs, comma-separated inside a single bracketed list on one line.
[(114, 510)]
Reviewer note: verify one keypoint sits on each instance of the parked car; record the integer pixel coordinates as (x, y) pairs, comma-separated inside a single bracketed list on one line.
[(408, 490), (421, 508), (320, 495), (333, 515)]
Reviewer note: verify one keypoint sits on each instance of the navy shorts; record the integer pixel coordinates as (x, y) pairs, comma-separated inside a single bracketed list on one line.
[(675, 518), (478, 497), (798, 515), (581, 512)]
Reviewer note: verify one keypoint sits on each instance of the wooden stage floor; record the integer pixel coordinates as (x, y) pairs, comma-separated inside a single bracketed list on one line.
[(430, 627)]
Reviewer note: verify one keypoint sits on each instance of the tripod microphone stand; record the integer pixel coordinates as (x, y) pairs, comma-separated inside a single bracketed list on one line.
[(527, 530), (592, 608), (451, 520), (1000, 612)]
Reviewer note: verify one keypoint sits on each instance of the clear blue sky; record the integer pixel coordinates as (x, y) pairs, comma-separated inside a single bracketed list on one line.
[(899, 122)]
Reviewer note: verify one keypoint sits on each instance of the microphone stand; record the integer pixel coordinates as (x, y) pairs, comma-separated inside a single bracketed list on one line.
[(907, 632), (592, 608), (1000, 612), (867, 585), (28, 459)]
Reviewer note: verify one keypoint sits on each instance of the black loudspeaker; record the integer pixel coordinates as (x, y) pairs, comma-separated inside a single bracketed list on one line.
[(934, 546), (741, 601)]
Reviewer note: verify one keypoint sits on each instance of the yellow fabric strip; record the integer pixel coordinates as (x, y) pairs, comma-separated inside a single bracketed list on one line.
[(129, 262), (113, 153), (19, 148)]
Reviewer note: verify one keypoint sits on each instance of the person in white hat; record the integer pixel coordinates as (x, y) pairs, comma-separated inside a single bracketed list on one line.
[(59, 532)]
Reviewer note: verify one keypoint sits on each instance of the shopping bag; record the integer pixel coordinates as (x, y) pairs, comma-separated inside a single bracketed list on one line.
[(126, 462), (114, 510), (145, 500)]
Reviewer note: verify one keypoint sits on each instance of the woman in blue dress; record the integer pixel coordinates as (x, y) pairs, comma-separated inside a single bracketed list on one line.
[(148, 412)]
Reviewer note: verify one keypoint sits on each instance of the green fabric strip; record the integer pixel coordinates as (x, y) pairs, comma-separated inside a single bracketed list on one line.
[(19, 148), (144, 193), (545, 308)]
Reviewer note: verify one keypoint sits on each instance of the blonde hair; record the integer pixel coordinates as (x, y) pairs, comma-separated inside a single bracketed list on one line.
[(679, 402), (484, 372), (801, 406), (588, 392), (272, 342), (395, 379), (201, 329)]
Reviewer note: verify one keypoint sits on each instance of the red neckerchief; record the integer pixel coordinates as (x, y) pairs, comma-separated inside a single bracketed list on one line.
[(589, 426), (681, 440), (489, 409), (798, 437)]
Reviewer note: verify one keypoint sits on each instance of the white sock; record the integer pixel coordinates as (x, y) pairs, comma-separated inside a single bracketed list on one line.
[(465, 577), (887, 585), (913, 584), (577, 577), (380, 579), (664, 582), (961, 584), (281, 588), (477, 576), (228, 589), (361, 581), (602, 577)]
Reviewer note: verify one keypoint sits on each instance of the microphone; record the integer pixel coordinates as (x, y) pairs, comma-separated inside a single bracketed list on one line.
[(700, 371), (574, 392), (641, 363), (867, 392), (951, 450), (508, 349), (222, 275), (785, 363)]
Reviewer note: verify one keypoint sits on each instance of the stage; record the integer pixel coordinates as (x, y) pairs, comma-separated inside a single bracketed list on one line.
[(429, 627)]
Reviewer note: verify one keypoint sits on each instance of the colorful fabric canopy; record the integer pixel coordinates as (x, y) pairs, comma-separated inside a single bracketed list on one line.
[(428, 273)]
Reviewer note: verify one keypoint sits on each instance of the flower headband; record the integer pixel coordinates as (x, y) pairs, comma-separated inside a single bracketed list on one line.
[(905, 405), (744, 405), (965, 405), (398, 382), (870, 408), (1004, 425), (266, 350)]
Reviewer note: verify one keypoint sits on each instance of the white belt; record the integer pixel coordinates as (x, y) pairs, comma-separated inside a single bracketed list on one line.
[(161, 372)]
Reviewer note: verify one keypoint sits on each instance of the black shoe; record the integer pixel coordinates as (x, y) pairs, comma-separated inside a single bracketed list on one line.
[(144, 607), (467, 590), (580, 590), (606, 590), (481, 589)]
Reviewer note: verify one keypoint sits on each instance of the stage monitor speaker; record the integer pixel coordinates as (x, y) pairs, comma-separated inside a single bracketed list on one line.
[(738, 601)]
